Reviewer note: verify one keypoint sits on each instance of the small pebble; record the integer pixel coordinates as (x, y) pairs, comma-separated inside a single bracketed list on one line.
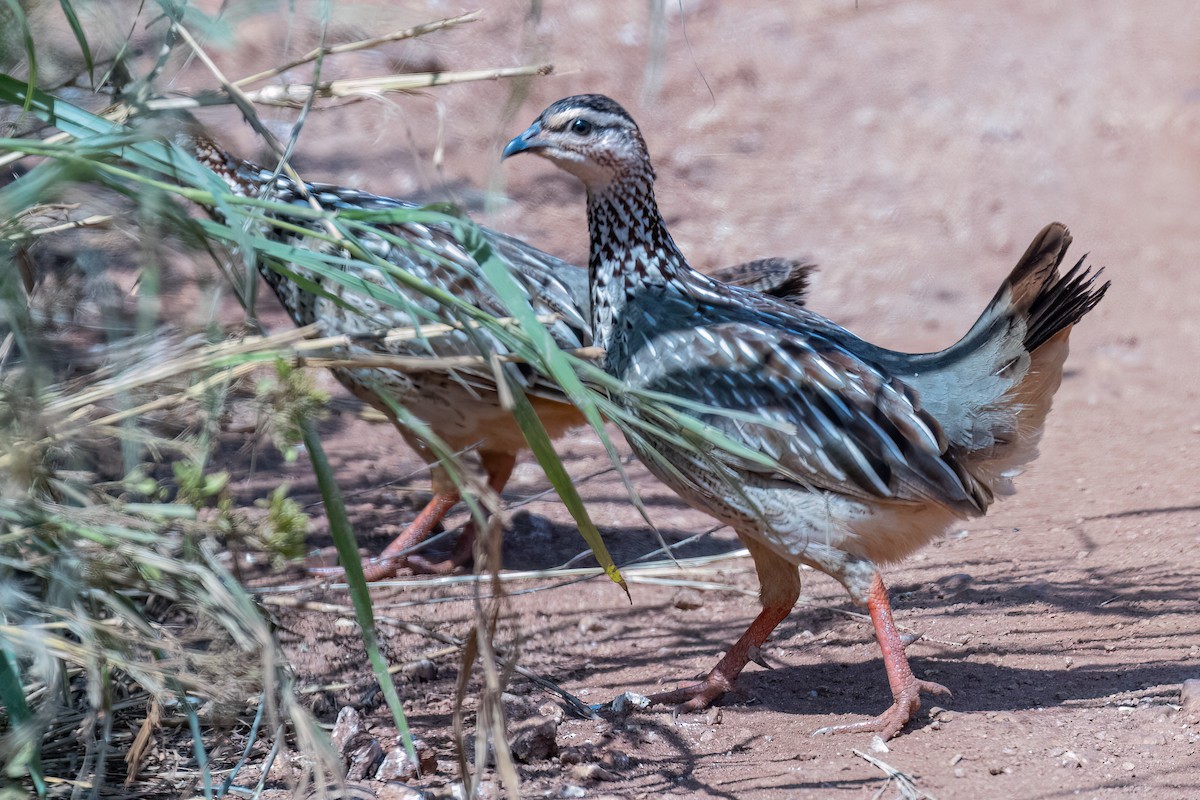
[(398, 791), (1189, 695), (615, 759), (959, 772), (687, 600), (396, 765), (572, 755), (364, 760), (629, 702), (346, 729), (951, 586), (421, 671), (552, 710), (534, 739), (591, 772)]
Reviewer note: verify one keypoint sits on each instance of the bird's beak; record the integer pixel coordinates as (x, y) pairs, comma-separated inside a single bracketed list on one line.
[(524, 143)]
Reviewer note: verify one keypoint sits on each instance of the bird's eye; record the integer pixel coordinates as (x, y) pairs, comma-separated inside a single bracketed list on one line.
[(581, 126)]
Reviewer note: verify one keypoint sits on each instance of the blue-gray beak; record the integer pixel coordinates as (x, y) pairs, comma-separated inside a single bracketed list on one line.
[(523, 143)]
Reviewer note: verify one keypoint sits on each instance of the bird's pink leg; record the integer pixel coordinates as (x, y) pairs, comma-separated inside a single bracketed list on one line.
[(906, 688), (388, 562), (499, 468), (780, 588), (720, 680)]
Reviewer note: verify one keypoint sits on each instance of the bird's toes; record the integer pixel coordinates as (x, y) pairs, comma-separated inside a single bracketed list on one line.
[(933, 688), (423, 566)]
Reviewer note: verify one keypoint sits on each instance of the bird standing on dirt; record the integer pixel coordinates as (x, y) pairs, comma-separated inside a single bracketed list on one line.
[(460, 406), (875, 452)]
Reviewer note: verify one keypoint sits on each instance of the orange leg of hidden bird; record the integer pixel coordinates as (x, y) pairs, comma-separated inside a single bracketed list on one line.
[(499, 468), (906, 688), (780, 588)]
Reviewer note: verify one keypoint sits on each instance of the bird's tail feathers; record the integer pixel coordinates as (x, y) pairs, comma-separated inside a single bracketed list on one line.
[(993, 389)]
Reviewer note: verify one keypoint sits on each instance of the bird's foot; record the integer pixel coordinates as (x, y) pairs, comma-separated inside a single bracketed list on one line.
[(376, 569), (398, 554), (695, 696), (461, 558), (889, 723), (447, 566), (381, 569), (385, 567)]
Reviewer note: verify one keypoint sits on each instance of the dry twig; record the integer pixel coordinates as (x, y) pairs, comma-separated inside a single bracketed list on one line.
[(907, 786)]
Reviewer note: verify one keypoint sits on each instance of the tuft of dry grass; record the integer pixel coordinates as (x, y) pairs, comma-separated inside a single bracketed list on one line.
[(123, 637)]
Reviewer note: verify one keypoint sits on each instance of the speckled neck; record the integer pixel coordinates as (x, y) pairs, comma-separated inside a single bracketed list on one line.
[(246, 179), (631, 251)]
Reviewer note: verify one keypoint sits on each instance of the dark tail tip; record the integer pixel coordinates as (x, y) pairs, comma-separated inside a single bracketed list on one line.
[(1063, 302)]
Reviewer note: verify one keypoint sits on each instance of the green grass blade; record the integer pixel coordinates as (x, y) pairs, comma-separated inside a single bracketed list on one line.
[(496, 271), (12, 695), (80, 38), (28, 96), (82, 124), (543, 450), (360, 596), (198, 748), (30, 85)]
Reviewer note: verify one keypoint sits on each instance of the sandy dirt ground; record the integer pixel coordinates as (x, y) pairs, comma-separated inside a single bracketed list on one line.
[(912, 149)]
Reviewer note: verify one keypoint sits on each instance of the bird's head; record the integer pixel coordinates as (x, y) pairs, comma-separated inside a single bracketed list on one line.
[(589, 136)]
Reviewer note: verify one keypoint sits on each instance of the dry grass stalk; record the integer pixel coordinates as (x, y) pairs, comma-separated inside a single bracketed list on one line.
[(363, 44), (905, 784), (150, 550), (295, 95)]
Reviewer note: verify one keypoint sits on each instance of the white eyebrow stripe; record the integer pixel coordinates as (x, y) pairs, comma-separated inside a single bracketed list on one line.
[(603, 119)]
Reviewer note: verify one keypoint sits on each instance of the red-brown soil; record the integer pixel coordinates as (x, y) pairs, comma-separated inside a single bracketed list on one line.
[(912, 149)]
